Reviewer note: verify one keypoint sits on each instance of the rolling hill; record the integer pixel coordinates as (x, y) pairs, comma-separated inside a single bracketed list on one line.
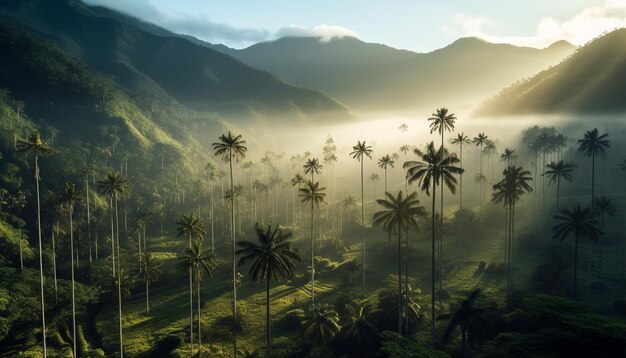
[(369, 76), (593, 80), (161, 67)]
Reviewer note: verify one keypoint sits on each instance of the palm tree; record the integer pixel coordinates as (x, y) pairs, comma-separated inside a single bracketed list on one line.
[(591, 145), (272, 258), (151, 270), (197, 260), (298, 180), (441, 121), (514, 184), (211, 173), (400, 215), (374, 178), (232, 148), (192, 227), (436, 167), (383, 163), (115, 186), (461, 139), (403, 127), (360, 325), (556, 171), (358, 152), (480, 141), (313, 193), (69, 198), (322, 324), (468, 318), (509, 155), (33, 144), (312, 166), (580, 222)]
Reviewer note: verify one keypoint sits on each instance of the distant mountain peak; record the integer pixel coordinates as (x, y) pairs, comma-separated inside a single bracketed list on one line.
[(561, 44)]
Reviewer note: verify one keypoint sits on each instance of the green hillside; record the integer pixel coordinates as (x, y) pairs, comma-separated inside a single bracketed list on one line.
[(157, 66), (373, 76), (592, 80)]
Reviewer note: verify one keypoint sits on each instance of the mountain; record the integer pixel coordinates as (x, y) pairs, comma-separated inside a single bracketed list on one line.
[(153, 64), (593, 80), (372, 76)]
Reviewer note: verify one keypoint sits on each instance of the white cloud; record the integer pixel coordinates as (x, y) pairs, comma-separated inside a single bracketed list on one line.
[(589, 23), (323, 31)]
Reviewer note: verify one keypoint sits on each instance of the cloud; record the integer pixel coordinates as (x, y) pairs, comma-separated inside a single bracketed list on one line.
[(197, 25), (323, 31), (584, 26), (202, 27)]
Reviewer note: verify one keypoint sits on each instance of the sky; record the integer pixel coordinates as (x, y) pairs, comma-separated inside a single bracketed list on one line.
[(416, 25)]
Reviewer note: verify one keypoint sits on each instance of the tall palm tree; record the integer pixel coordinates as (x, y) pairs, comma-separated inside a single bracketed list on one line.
[(115, 186), (313, 193), (508, 191), (151, 270), (321, 324), (312, 166), (460, 140), (272, 258), (198, 261), (558, 170), (403, 127), (192, 227), (69, 199), (435, 167), (33, 144), (579, 222), (469, 319), (231, 147), (400, 215), (359, 151), (509, 155), (480, 141), (211, 176), (385, 162), (592, 145), (441, 121)]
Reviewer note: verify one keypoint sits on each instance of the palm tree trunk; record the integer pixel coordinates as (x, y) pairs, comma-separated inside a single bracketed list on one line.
[(71, 209), (267, 311), (593, 176), (112, 238), (54, 265), (462, 342), (385, 183), (212, 220), (119, 301), (190, 300), (575, 263), (441, 232), (147, 297), (199, 312), (362, 228), (506, 233), (43, 304), (312, 260), (461, 180), (233, 244), (406, 282), (399, 280), (558, 190), (21, 255), (88, 217), (432, 292)]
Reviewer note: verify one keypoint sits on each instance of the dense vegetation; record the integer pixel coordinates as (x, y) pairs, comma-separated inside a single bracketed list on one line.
[(134, 223)]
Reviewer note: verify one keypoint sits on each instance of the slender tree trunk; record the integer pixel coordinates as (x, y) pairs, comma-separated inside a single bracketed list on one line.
[(362, 228), (190, 301), (312, 259), (432, 294), (558, 190), (441, 233), (54, 265), (462, 342), (267, 311), (399, 280), (406, 282), (71, 211), (41, 279), (199, 312), (147, 297), (119, 302), (575, 263), (21, 255), (233, 244), (88, 217), (506, 234), (461, 180), (593, 176), (112, 237), (385, 183)]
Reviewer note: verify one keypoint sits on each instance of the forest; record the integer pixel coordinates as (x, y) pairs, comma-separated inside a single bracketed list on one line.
[(138, 220)]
